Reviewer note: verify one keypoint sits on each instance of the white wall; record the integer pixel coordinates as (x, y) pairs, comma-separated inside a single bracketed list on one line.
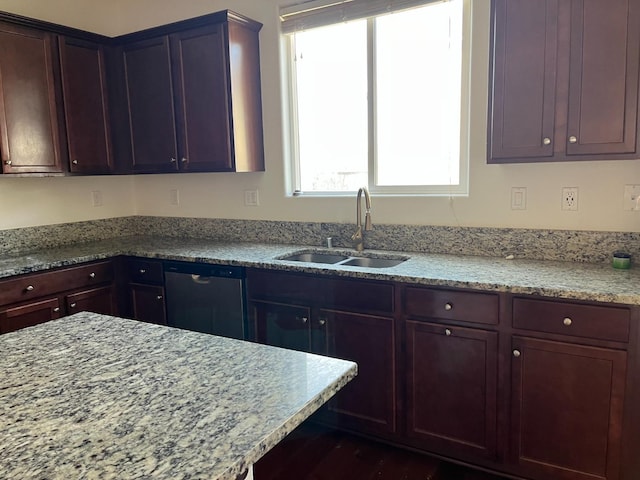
[(222, 195)]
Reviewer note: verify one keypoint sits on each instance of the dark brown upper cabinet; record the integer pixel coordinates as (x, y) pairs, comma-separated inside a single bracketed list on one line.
[(83, 75), (29, 135), (564, 80), (193, 96), (149, 95)]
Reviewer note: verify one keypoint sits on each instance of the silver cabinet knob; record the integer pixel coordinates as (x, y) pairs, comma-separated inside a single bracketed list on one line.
[(516, 353), (322, 321), (573, 139), (567, 321), (172, 160), (30, 288), (159, 297), (57, 309), (184, 160), (142, 271), (546, 141), (448, 306), (92, 275), (447, 332), (7, 162), (75, 162), (73, 305), (303, 319)]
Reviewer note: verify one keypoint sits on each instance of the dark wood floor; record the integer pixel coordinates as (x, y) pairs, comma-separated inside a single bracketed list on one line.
[(315, 453)]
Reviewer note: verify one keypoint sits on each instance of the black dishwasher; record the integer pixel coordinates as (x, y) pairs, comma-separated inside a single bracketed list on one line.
[(206, 298)]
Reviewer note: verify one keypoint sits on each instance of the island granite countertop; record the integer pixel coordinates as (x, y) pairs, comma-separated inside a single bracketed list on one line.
[(99, 397), (579, 281)]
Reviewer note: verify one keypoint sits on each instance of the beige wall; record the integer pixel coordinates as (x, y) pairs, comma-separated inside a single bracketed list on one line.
[(222, 195)]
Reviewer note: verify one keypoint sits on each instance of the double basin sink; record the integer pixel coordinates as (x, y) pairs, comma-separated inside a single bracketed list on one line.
[(369, 260)]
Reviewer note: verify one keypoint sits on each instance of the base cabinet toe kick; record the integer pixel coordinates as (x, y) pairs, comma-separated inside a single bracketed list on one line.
[(536, 388)]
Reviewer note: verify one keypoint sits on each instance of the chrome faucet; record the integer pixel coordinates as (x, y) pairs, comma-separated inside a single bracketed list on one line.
[(358, 237)]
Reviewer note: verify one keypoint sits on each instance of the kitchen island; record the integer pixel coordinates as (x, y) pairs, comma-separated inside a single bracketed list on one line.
[(94, 396)]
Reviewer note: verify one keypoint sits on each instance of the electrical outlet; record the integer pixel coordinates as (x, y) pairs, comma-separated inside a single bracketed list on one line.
[(251, 198), (570, 198), (632, 197), (518, 198), (174, 197), (96, 198)]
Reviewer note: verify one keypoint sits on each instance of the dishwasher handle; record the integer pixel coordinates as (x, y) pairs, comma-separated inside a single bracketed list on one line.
[(200, 279)]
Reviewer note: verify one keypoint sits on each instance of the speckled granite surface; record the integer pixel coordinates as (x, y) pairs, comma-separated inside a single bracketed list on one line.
[(97, 397), (580, 281), (560, 245)]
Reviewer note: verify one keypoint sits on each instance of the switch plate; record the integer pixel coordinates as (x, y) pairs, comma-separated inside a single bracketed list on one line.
[(174, 197), (251, 198), (96, 198), (518, 198), (632, 197), (570, 198)]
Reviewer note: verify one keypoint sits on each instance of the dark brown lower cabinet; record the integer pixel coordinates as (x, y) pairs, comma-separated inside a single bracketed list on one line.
[(451, 389), (96, 300), (567, 409), (283, 325), (147, 302), (368, 402), (21, 316)]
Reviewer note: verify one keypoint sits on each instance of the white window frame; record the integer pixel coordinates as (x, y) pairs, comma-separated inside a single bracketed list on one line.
[(291, 123)]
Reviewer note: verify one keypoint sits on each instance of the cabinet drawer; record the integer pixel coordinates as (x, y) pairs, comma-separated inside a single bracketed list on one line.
[(566, 318), (475, 307), (26, 287), (145, 271)]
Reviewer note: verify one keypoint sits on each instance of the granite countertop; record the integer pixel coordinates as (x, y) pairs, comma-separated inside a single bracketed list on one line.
[(580, 281), (99, 397)]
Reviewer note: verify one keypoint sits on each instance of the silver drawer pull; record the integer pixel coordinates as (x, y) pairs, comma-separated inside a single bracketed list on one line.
[(57, 309), (73, 305), (447, 332), (516, 353), (142, 271), (546, 141), (322, 321), (30, 288), (573, 139), (159, 297), (567, 321), (7, 162), (448, 306), (92, 275)]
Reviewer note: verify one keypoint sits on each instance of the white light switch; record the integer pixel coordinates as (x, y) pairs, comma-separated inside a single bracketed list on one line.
[(96, 198), (518, 198), (251, 198), (632, 197)]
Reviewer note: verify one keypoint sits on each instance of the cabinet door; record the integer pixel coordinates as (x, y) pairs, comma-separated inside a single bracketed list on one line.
[(28, 122), (148, 303), (97, 300), (202, 99), (86, 106), (367, 403), (452, 389), (149, 90), (523, 95), (282, 325), (567, 404), (22, 316), (603, 89)]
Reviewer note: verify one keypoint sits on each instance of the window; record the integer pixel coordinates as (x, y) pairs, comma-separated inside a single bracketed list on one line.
[(378, 99)]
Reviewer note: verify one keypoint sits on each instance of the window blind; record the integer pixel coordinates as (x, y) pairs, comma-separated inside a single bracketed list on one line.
[(318, 13)]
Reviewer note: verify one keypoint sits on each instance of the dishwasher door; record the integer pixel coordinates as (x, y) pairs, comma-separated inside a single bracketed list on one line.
[(206, 298)]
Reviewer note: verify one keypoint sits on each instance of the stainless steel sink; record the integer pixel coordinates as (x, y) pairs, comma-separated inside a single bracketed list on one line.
[(373, 260), (314, 257)]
